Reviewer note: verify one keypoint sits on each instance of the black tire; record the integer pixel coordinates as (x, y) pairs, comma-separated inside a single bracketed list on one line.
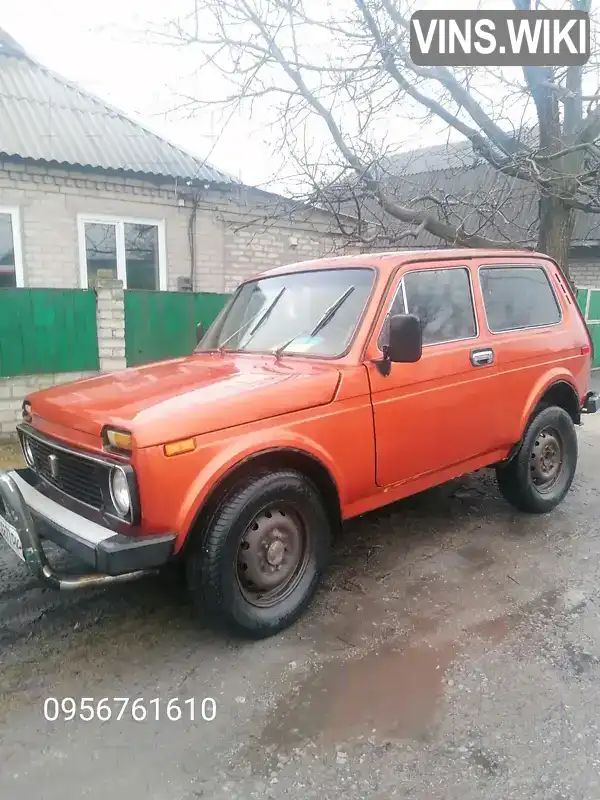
[(521, 481), (216, 581)]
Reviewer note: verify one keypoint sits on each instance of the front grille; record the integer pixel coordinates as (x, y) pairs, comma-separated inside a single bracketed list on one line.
[(74, 475)]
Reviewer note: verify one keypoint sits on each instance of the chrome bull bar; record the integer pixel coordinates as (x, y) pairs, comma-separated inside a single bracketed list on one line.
[(19, 516)]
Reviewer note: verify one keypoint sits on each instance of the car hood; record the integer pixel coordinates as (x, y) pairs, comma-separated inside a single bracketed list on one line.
[(184, 397)]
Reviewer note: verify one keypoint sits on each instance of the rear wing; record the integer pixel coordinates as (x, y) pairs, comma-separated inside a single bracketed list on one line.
[(572, 300)]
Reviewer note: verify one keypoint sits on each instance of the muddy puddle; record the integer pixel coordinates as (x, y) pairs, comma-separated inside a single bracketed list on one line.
[(395, 692), (390, 693)]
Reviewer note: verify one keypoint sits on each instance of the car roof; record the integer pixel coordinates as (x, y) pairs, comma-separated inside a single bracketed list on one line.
[(388, 261)]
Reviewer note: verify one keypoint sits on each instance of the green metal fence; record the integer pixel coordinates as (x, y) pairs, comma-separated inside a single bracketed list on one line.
[(54, 330), (161, 325), (47, 330), (588, 300)]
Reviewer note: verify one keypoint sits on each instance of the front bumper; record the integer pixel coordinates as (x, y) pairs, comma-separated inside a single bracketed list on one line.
[(113, 557)]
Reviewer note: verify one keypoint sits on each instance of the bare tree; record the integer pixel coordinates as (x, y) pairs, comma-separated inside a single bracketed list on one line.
[(335, 80)]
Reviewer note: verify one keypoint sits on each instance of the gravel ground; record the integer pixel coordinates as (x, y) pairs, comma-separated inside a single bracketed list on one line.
[(453, 653), (10, 455)]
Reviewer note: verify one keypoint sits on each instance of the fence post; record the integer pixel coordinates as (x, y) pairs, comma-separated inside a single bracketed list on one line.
[(110, 321)]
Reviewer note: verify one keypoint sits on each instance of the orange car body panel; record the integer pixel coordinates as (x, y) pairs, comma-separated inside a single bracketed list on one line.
[(172, 400), (380, 438)]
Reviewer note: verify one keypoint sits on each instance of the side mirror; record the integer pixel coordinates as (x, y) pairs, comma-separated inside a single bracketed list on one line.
[(406, 339), (199, 332), (405, 342)]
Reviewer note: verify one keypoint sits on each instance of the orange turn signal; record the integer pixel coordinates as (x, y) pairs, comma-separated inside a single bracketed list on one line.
[(182, 446), (120, 440)]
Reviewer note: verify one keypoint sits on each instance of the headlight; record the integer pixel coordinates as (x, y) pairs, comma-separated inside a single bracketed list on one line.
[(119, 491), (27, 451)]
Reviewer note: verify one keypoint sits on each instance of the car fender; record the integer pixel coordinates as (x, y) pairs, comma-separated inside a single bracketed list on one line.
[(230, 456), (541, 386)]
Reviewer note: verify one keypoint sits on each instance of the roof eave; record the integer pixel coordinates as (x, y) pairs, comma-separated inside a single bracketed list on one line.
[(161, 177)]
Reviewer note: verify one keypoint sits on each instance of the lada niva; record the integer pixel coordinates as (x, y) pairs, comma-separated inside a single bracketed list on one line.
[(323, 390)]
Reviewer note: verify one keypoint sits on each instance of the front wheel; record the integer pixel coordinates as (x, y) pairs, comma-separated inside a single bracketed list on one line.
[(539, 476), (259, 564)]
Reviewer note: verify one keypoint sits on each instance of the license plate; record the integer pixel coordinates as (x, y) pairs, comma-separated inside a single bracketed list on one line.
[(11, 537)]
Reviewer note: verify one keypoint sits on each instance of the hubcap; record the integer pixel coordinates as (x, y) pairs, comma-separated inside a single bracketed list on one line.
[(272, 555), (546, 459), (275, 553)]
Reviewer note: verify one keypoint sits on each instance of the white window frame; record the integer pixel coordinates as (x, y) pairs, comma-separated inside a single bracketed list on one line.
[(119, 223), (15, 220)]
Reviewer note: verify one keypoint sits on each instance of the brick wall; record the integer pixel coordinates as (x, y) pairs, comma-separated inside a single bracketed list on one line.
[(237, 232), (585, 273), (248, 251), (110, 322), (232, 238), (14, 390)]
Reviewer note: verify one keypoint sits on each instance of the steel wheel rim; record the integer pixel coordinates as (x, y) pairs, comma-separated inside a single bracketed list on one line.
[(272, 556), (547, 459)]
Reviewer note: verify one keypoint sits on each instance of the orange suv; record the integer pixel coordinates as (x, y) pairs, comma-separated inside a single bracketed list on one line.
[(323, 390)]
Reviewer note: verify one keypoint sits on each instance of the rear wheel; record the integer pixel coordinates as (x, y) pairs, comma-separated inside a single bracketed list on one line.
[(539, 476), (261, 560)]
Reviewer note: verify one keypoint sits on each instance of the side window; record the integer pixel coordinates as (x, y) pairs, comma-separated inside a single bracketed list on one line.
[(443, 301), (518, 297)]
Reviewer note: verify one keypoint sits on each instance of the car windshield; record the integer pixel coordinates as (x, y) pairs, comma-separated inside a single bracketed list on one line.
[(314, 312)]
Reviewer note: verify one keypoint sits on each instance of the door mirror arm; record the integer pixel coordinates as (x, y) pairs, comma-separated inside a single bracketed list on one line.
[(384, 365)]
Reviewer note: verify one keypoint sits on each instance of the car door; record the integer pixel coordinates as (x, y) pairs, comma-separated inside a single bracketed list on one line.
[(526, 320), (439, 411)]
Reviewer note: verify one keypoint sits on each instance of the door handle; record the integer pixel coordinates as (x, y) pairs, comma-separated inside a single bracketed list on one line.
[(483, 357)]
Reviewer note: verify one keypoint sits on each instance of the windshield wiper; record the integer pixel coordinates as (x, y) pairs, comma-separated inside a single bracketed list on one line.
[(324, 320), (263, 318)]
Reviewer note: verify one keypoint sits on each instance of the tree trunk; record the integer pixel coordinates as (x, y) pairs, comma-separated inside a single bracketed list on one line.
[(557, 223)]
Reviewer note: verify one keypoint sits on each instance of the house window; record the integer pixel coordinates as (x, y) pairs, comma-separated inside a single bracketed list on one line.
[(141, 255), (133, 249), (11, 259)]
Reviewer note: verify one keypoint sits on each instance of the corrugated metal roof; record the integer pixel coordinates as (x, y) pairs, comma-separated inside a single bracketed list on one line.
[(448, 155), (47, 118), (472, 182), (482, 199)]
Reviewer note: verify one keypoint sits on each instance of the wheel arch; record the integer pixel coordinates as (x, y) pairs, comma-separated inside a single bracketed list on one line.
[(563, 394), (556, 390), (277, 457)]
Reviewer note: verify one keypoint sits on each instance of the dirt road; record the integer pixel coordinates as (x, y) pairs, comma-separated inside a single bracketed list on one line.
[(453, 653)]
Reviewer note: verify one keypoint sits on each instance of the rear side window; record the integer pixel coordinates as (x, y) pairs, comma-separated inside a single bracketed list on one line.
[(442, 300), (518, 297)]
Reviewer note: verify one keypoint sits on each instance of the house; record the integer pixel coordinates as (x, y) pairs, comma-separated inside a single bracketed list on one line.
[(454, 183), (84, 187)]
